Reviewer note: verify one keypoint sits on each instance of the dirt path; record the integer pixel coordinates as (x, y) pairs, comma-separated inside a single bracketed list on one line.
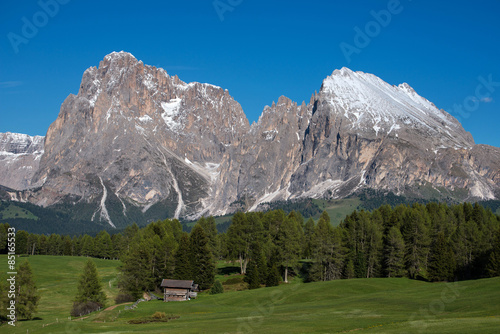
[(115, 306)]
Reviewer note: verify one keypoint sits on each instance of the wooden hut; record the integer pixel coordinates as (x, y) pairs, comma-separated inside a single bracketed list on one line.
[(178, 290)]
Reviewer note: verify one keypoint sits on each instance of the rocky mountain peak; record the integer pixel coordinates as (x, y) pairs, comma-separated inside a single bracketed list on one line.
[(19, 159), (369, 104), (135, 139), (17, 143), (119, 60)]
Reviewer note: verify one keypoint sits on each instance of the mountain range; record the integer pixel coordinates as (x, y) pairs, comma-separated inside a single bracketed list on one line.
[(137, 142)]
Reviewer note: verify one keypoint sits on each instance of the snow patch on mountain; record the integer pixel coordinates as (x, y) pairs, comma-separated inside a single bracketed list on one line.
[(368, 102), (171, 114)]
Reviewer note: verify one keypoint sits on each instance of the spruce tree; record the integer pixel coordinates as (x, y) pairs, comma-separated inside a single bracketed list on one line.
[(360, 265), (216, 288), (349, 269), (442, 263), (103, 245), (416, 236), (88, 247), (308, 239), (28, 297), (252, 275), (394, 253), (4, 299), (202, 263), (182, 269), (288, 240), (493, 266), (136, 275), (210, 229), (273, 275), (89, 286)]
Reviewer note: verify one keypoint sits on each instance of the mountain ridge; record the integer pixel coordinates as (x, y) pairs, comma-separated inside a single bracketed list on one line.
[(137, 136)]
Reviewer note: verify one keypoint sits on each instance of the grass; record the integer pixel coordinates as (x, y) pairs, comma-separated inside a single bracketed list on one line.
[(13, 212), (57, 278), (337, 209), (365, 305)]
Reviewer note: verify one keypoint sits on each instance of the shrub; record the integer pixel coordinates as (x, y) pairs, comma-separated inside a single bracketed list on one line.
[(124, 298), (216, 288), (85, 308), (234, 280), (158, 315)]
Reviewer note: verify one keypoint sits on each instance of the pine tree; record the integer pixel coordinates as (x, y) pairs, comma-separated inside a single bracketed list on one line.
[(89, 297), (374, 245), (103, 245), (202, 262), (182, 269), (273, 276), (89, 286), (243, 231), (360, 265), (308, 239), (4, 292), (493, 266), (349, 269), (417, 241), (210, 229), (216, 288), (67, 246), (394, 253), (28, 297), (87, 243), (328, 251), (288, 241), (136, 275), (118, 245), (252, 275), (442, 263), (22, 242)]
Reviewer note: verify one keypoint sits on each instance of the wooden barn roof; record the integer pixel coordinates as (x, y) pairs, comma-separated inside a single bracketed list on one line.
[(179, 284)]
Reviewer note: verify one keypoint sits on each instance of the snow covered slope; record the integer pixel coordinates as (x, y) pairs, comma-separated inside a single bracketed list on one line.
[(19, 159), (369, 103)]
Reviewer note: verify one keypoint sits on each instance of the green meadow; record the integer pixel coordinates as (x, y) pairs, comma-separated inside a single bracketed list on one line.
[(363, 305)]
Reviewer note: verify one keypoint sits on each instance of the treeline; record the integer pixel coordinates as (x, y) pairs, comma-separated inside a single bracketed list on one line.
[(103, 245), (434, 242)]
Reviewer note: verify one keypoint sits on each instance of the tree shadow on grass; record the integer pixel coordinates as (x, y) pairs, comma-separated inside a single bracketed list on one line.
[(228, 270), (25, 320)]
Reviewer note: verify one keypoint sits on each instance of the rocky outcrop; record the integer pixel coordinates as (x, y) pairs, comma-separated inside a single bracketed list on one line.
[(134, 137), (144, 135), (357, 132), (19, 159)]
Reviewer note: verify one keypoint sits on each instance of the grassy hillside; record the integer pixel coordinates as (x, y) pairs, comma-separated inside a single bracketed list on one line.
[(56, 278), (338, 209), (367, 305)]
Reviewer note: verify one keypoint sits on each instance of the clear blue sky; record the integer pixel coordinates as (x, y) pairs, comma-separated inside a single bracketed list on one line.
[(259, 51)]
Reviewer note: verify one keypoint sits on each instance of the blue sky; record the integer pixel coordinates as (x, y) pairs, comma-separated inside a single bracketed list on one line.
[(447, 50)]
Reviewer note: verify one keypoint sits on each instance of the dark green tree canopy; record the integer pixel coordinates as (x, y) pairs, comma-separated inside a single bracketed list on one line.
[(89, 286), (28, 297)]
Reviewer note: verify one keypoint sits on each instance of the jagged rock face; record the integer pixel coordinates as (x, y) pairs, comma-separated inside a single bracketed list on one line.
[(135, 134), (19, 159), (141, 133), (357, 132), (264, 160), (365, 132)]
